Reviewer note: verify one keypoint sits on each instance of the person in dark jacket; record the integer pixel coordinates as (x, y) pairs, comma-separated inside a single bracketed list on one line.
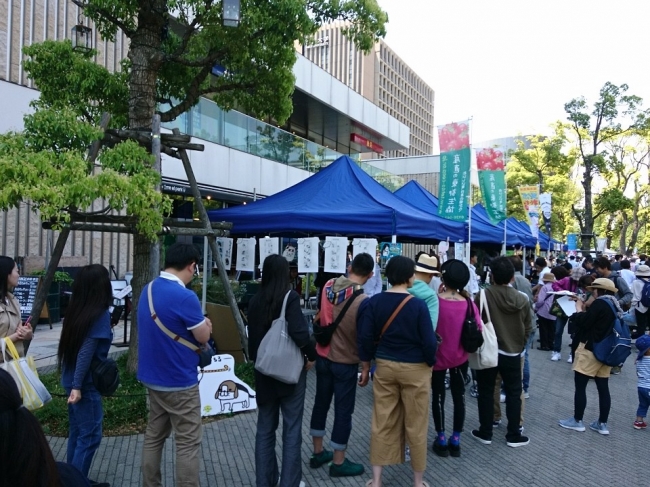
[(274, 396), (592, 326)]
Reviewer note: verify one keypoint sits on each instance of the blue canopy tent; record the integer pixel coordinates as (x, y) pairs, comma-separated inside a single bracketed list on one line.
[(482, 232), (340, 199), (514, 235)]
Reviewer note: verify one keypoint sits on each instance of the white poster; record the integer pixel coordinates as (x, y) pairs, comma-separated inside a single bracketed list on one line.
[(364, 245), (308, 254), (268, 246), (224, 246), (459, 251), (221, 391), (336, 249), (545, 205), (245, 254)]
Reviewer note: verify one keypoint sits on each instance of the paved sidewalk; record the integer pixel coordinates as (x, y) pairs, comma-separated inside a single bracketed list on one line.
[(554, 456)]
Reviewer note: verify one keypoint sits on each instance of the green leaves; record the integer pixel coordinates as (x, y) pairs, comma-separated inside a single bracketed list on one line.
[(47, 166)]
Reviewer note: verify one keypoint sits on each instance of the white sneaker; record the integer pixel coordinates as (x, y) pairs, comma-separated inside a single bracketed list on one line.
[(570, 359), (502, 397), (556, 356)]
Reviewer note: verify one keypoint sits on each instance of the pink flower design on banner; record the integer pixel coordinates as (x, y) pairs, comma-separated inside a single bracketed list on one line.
[(489, 160), (454, 136)]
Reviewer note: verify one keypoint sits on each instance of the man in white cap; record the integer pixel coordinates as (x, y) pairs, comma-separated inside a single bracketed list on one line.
[(640, 311), (426, 267)]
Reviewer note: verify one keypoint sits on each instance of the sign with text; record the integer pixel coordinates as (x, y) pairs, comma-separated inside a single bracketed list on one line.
[(455, 167), (221, 391), (25, 293)]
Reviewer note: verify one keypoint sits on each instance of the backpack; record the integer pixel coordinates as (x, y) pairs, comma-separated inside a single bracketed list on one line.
[(323, 332), (615, 347), (471, 337), (645, 294)]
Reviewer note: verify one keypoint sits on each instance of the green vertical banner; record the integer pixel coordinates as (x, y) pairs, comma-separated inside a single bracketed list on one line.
[(455, 166), (493, 189), (491, 176)]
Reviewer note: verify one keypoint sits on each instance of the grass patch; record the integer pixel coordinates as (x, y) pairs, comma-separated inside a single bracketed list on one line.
[(124, 414)]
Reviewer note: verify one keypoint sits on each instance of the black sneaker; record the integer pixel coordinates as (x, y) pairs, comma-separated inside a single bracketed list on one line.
[(481, 437), (320, 459), (454, 450), (94, 483), (346, 469), (521, 441), (440, 450)]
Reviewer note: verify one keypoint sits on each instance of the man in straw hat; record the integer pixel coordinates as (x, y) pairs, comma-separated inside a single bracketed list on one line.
[(426, 267), (592, 326)]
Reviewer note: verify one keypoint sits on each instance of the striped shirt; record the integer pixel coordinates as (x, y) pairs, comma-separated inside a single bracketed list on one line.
[(643, 372)]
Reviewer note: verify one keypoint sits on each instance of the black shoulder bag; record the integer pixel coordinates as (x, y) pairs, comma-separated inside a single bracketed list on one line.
[(471, 337), (323, 333)]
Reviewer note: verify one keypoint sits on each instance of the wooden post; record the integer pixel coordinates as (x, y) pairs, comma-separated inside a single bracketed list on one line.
[(209, 232)]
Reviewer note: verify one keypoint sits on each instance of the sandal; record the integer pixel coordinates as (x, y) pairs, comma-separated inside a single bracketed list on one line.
[(369, 483), (425, 484)]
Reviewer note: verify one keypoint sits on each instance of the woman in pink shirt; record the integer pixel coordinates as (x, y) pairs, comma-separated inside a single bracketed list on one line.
[(453, 302)]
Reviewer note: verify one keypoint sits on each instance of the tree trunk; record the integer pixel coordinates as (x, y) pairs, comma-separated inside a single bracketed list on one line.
[(588, 221), (146, 57), (141, 247)]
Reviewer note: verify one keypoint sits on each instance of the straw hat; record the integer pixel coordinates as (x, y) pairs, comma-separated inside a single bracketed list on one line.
[(643, 271), (548, 277), (427, 264), (603, 283)]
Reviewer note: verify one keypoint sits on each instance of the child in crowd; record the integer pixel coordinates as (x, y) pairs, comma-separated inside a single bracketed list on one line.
[(643, 385)]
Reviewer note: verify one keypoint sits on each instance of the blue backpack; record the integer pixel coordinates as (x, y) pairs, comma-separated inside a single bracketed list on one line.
[(615, 347), (645, 294)]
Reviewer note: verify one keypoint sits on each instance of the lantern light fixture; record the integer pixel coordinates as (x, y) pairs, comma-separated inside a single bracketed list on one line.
[(82, 37), (231, 13)]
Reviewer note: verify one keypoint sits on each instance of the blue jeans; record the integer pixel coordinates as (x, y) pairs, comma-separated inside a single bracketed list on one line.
[(340, 381), (644, 402), (526, 378), (560, 323), (85, 429), (268, 416)]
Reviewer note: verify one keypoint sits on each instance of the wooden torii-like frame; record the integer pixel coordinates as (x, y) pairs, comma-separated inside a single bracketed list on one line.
[(174, 145)]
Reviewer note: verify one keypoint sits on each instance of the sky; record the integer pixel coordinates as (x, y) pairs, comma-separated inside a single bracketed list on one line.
[(512, 65)]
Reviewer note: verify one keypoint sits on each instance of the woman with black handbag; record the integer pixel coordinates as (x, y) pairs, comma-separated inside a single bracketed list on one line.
[(455, 306), (86, 336), (272, 394)]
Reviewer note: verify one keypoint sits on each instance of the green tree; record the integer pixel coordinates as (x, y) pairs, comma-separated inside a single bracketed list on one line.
[(622, 204), (544, 161), (613, 114), (174, 48)]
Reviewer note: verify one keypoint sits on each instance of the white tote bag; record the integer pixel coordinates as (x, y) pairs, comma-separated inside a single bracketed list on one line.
[(487, 356), (278, 356), (32, 390)]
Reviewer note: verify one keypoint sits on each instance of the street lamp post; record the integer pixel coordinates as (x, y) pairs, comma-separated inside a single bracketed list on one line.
[(231, 11), (82, 37)]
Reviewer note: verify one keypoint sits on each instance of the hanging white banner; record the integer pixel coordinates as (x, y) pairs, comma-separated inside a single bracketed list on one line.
[(268, 246), (224, 246), (335, 254), (246, 254), (364, 245), (308, 254)]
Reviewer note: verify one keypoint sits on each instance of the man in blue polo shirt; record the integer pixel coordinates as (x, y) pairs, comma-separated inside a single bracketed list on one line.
[(168, 368)]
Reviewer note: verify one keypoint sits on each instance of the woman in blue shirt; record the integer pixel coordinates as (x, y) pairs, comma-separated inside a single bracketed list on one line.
[(405, 351), (86, 335)]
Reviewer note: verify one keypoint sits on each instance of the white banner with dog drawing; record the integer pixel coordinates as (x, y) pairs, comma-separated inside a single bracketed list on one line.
[(221, 391)]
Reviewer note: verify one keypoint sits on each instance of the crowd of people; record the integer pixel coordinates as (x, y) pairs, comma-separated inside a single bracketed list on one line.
[(408, 338)]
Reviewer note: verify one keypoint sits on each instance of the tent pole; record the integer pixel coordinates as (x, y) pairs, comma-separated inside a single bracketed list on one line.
[(505, 238), (469, 220)]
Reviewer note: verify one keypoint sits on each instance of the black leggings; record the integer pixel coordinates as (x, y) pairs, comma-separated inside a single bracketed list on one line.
[(580, 398), (457, 386)]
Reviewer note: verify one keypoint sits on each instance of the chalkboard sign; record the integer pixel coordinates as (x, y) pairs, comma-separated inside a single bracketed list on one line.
[(25, 293)]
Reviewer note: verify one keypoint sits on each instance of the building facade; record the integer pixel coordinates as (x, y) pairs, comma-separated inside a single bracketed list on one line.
[(244, 158), (382, 77)]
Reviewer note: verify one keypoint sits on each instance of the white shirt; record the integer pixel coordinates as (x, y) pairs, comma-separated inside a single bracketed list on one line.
[(637, 289), (628, 275), (545, 270), (374, 284), (472, 285)]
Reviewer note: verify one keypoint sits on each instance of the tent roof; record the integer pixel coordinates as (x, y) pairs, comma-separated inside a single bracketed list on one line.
[(340, 199), (482, 231)]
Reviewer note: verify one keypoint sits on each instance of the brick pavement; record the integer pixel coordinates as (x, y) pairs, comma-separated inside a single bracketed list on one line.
[(554, 456)]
